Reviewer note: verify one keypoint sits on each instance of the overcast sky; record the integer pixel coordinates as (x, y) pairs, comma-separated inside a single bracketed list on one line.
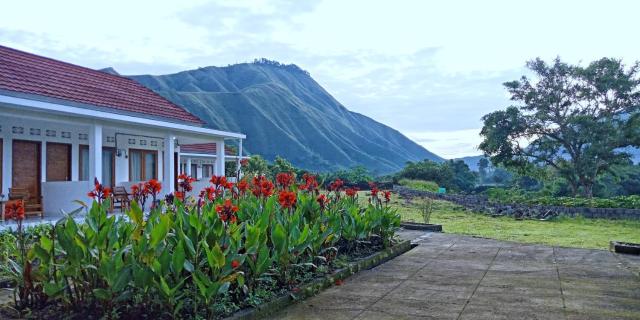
[(430, 70)]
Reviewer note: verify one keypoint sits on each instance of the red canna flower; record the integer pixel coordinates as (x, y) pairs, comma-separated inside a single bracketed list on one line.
[(374, 190), (153, 186), (310, 183), (208, 193), (352, 192), (227, 211), (284, 179), (242, 186), (99, 192), (322, 201), (287, 199), (387, 196), (185, 181), (266, 188), (14, 209), (336, 185), (235, 264), (179, 195)]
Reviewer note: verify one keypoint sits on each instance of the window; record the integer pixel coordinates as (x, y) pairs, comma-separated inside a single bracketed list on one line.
[(194, 171), (83, 163), (108, 165), (143, 165), (207, 170)]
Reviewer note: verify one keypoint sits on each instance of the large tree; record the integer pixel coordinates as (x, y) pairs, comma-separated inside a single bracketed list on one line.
[(572, 118)]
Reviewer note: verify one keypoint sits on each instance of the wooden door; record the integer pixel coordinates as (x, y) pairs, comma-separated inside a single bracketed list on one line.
[(26, 167), (58, 162)]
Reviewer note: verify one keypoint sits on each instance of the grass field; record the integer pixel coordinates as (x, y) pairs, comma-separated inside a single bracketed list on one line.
[(565, 232)]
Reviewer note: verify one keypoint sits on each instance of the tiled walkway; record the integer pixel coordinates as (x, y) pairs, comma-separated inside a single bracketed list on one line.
[(459, 277)]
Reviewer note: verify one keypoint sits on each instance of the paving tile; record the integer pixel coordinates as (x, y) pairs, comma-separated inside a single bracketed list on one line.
[(420, 308), (302, 311), (380, 315), (510, 311)]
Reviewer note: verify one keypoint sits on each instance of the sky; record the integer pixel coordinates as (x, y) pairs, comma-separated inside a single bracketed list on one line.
[(430, 69)]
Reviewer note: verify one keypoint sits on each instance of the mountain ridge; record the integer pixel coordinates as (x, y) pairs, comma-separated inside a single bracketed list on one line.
[(285, 112)]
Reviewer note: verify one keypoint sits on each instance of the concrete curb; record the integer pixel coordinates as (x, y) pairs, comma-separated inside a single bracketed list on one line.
[(315, 287), (421, 226)]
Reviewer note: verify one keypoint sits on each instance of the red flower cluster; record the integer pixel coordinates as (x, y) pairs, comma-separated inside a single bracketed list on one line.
[(210, 193), (235, 264), (153, 187), (227, 211), (99, 192), (244, 162), (287, 199), (387, 196), (374, 189), (139, 193), (184, 182), (336, 185), (14, 209), (323, 201), (310, 183), (221, 182), (179, 195), (242, 186), (284, 179), (352, 192), (261, 187)]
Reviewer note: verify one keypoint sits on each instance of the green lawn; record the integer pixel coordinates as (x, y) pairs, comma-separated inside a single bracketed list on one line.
[(565, 232)]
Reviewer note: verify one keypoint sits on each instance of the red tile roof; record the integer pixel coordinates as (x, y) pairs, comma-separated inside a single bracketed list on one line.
[(206, 148), (32, 74)]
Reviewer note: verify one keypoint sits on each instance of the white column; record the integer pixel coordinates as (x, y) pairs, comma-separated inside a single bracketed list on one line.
[(7, 165), (95, 153), (75, 162), (239, 168), (189, 173), (43, 161), (219, 166), (168, 163)]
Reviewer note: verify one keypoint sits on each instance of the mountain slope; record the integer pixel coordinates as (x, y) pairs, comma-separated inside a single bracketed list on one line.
[(283, 111)]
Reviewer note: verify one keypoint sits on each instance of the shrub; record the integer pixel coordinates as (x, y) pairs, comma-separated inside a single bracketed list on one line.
[(421, 185)]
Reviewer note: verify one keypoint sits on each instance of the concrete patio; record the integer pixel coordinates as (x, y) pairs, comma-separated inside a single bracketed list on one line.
[(459, 277)]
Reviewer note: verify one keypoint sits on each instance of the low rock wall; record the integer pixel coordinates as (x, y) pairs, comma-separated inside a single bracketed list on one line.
[(482, 204)]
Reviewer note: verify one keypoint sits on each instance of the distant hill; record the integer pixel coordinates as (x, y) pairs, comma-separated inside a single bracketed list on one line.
[(472, 161), (284, 111)]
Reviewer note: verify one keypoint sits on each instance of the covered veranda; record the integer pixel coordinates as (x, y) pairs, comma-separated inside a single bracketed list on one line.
[(55, 151)]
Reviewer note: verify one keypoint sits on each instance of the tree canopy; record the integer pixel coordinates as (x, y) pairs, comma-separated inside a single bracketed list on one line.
[(571, 118)]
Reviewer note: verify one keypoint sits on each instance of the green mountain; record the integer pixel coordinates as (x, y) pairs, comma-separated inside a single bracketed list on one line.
[(284, 112)]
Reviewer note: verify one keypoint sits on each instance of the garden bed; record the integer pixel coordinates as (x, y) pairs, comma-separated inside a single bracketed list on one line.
[(235, 247), (319, 284)]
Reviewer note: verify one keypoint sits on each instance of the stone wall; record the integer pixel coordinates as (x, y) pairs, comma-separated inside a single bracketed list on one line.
[(482, 204)]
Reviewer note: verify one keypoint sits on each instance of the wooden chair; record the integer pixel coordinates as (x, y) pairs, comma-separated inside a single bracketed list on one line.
[(120, 196), (32, 206)]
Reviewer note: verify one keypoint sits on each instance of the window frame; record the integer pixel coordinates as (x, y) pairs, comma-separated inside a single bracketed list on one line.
[(143, 172)]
